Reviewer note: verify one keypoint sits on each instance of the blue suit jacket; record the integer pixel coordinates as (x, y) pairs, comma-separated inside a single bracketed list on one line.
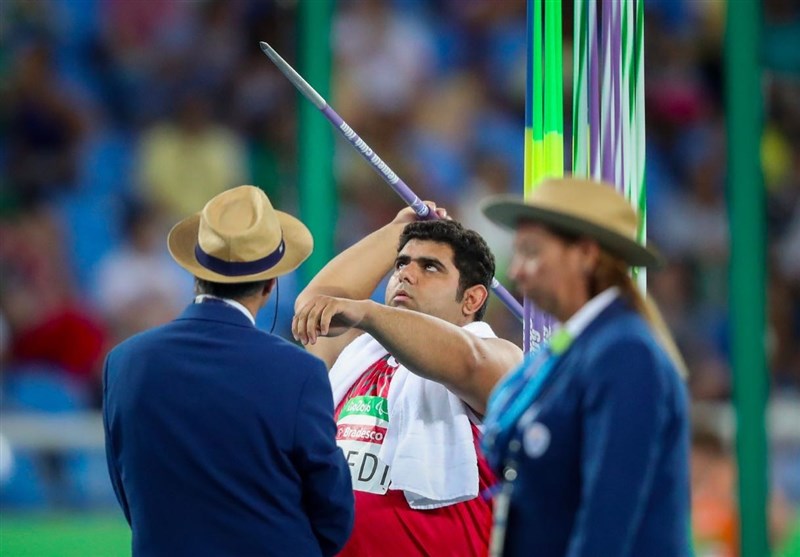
[(604, 466), (220, 441)]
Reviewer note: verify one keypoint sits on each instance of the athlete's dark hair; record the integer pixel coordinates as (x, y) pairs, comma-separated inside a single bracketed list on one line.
[(471, 256)]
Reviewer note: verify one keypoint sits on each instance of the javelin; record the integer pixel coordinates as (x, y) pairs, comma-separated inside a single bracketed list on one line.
[(394, 181)]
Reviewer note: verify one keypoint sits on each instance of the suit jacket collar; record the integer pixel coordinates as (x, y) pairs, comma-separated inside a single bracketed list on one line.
[(611, 312), (208, 298), (617, 307), (222, 313)]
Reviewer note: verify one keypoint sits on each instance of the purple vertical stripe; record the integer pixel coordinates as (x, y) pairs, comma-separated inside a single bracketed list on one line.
[(527, 321), (538, 327), (541, 325), (547, 326), (594, 94)]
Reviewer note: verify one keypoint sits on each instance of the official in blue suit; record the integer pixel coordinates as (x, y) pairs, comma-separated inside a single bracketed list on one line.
[(590, 434), (220, 437)]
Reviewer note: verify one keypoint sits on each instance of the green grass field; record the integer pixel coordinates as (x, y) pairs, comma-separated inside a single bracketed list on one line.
[(70, 535), (76, 535)]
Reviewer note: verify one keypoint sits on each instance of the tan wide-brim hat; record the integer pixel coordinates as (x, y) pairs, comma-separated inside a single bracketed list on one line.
[(578, 207), (240, 237)]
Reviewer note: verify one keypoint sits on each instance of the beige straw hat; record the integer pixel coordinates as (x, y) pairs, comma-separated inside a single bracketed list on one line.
[(239, 237), (578, 207)]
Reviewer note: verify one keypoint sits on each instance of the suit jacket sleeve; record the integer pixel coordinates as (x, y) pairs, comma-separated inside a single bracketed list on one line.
[(111, 453), (623, 419), (327, 490)]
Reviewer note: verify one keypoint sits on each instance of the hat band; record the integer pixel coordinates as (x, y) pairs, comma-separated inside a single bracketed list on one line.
[(239, 268)]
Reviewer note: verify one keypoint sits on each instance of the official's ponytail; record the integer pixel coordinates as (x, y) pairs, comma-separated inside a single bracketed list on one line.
[(612, 271)]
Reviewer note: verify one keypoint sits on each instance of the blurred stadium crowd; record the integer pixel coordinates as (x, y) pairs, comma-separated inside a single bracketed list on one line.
[(120, 117)]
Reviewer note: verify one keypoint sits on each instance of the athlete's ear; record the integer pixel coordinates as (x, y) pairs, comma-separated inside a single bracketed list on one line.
[(473, 299)]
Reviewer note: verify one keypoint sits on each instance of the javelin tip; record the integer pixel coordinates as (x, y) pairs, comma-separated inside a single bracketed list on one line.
[(287, 70)]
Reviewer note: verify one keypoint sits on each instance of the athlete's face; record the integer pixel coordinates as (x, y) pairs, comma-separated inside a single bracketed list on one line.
[(425, 279)]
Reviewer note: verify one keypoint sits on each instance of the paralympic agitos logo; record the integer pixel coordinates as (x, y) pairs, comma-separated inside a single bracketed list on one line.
[(374, 406)]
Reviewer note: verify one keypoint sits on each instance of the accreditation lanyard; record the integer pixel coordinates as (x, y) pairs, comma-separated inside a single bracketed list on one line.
[(535, 380)]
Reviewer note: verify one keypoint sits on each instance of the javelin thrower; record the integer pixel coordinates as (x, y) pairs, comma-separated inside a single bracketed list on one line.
[(394, 181)]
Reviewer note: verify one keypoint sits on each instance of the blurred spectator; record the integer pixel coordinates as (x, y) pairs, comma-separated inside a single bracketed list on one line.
[(217, 36), (384, 58), (6, 460), (714, 514), (781, 36), (45, 127), (190, 159), (490, 175), (441, 137), (138, 54), (46, 322), (137, 285)]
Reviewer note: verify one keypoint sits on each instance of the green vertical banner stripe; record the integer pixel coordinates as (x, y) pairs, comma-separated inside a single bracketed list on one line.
[(746, 210), (551, 68), (538, 73), (580, 90), (576, 64), (554, 91), (318, 199), (529, 66), (557, 159), (556, 43), (529, 108), (626, 109)]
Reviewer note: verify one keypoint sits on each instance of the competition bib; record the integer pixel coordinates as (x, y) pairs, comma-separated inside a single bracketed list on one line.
[(362, 420)]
